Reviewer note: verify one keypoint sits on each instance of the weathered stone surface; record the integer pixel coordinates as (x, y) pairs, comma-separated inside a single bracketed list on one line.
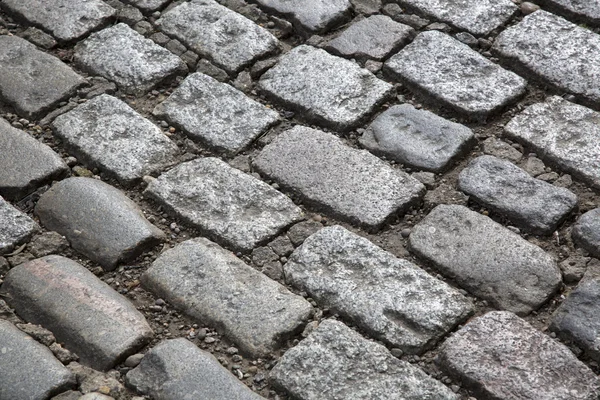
[(64, 19), (212, 285), (500, 356), (106, 133), (93, 320), (374, 37), (178, 370), (326, 89), (485, 258), (28, 370), (25, 163), (586, 232), (561, 133), (147, 5), (122, 55), (216, 113), (453, 74), (390, 298), (227, 38), (33, 81), (554, 50), (335, 362), (580, 10), (417, 138), (98, 220), (529, 203), (311, 16), (496, 147), (15, 227), (347, 183)]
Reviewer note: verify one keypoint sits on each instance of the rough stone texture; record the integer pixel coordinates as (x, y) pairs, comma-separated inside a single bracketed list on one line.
[(451, 73), (326, 89), (108, 134), (98, 220), (390, 298), (178, 370), (561, 133), (500, 356), (417, 138), (350, 184), (28, 370), (25, 163), (498, 148), (212, 285), (527, 202), (147, 5), (122, 55), (15, 227), (485, 258), (65, 19), (335, 362), (93, 320), (374, 37), (227, 38), (556, 51), (33, 81), (580, 10), (215, 113), (586, 232)]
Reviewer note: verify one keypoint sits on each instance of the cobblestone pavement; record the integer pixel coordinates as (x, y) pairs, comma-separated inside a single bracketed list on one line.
[(299, 199)]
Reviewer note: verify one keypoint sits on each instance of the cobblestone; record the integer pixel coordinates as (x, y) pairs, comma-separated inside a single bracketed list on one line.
[(148, 5), (16, 227), (586, 232), (580, 10)]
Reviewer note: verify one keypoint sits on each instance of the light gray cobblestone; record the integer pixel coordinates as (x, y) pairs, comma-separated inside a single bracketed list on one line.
[(15, 227)]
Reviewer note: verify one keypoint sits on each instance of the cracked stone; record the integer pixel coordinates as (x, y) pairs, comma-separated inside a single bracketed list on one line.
[(586, 232), (17, 227)]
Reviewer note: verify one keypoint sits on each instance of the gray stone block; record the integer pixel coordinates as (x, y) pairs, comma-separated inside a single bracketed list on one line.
[(390, 298), (417, 138), (84, 313), (215, 113), (586, 232), (350, 184), (210, 284), (500, 356), (33, 81), (579, 10), (335, 362), (325, 89), (486, 259), (122, 55), (451, 73), (108, 134), (98, 220), (227, 38), (15, 227), (529, 203)]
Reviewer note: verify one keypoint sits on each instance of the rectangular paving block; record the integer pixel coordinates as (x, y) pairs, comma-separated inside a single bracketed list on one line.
[(15, 227), (211, 285), (500, 356), (325, 89), (350, 184), (579, 10), (335, 362), (451, 73), (555, 51), (88, 316), (216, 114), (486, 259), (106, 133), (228, 39), (390, 298)]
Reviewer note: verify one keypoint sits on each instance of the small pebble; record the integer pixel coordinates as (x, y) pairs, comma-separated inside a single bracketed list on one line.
[(528, 8)]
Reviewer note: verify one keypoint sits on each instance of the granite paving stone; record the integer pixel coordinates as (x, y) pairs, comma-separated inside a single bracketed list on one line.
[(108, 134), (28, 370), (122, 55), (210, 284), (578, 10), (486, 259), (556, 51), (25, 163), (147, 5), (325, 89), (451, 73), (349, 184), (500, 356), (226, 38), (33, 81), (335, 362), (15, 227), (529, 203), (586, 232), (98, 220), (66, 20), (390, 298), (88, 316), (216, 114), (417, 138)]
